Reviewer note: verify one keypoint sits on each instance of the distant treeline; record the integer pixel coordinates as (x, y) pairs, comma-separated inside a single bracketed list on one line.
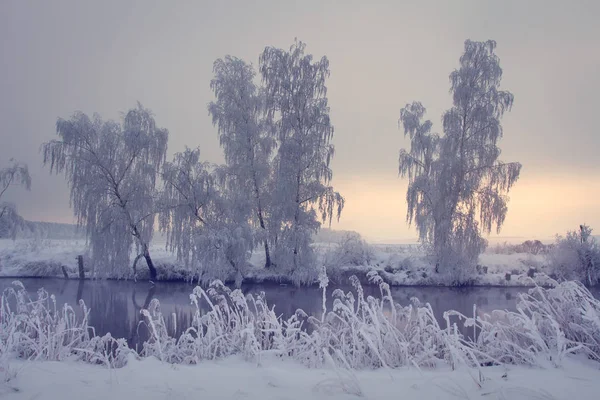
[(48, 230), (59, 231), (326, 235)]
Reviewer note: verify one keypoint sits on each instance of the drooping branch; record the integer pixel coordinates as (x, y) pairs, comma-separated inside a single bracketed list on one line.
[(112, 171)]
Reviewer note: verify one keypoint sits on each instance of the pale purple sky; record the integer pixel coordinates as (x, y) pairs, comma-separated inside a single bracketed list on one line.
[(62, 56)]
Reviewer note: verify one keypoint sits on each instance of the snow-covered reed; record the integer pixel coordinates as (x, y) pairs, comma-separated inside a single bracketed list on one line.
[(373, 332), (548, 325), (358, 332), (37, 329)]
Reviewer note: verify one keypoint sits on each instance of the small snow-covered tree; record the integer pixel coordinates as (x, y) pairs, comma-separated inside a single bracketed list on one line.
[(297, 107), (17, 174), (238, 113), (576, 256), (206, 223), (457, 184), (112, 170), (189, 188)]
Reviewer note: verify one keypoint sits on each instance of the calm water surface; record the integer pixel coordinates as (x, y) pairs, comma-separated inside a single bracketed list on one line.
[(115, 305)]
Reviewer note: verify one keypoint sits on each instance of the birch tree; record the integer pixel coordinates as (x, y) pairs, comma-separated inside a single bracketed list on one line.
[(17, 174), (112, 170), (238, 114), (297, 107), (206, 224), (458, 185), (189, 188)]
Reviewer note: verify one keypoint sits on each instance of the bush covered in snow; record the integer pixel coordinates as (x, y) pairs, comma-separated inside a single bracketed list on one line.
[(577, 256), (351, 249), (529, 246)]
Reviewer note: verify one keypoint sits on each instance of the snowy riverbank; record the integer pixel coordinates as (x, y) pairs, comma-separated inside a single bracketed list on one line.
[(234, 378), (397, 264), (240, 349)]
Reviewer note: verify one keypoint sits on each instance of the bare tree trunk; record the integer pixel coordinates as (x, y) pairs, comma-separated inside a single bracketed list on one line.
[(150, 264), (261, 220), (80, 267), (296, 219), (268, 262), (146, 254)]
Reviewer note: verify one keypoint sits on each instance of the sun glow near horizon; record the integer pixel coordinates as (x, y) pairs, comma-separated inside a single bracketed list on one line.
[(540, 207)]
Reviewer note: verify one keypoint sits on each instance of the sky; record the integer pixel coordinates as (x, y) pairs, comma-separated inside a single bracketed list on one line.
[(58, 57)]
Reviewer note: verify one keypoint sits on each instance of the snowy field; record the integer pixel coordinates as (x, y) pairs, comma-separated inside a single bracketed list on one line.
[(234, 378), (397, 264)]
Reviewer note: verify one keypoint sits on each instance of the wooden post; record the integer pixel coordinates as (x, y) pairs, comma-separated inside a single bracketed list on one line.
[(80, 265), (64, 271)]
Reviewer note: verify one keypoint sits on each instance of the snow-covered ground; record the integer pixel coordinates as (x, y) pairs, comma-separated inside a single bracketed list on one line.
[(233, 378), (44, 257), (397, 264)]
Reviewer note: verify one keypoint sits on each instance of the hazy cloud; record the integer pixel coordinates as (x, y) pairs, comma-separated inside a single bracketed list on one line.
[(62, 56)]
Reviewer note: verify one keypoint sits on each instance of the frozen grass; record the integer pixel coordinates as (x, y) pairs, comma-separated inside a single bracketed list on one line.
[(35, 329), (358, 333), (548, 325)]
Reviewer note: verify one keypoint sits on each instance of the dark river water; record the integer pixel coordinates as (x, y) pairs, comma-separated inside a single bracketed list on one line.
[(115, 305)]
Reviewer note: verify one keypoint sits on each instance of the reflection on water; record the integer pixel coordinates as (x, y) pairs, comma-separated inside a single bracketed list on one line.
[(115, 305)]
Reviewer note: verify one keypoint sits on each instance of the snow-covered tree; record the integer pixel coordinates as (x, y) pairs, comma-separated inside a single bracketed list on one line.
[(206, 223), (112, 170), (297, 107), (189, 188), (576, 256), (457, 184), (17, 174), (238, 113)]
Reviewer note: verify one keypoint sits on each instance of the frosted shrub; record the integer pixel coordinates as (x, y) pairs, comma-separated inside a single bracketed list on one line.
[(350, 250), (577, 256), (529, 246)]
